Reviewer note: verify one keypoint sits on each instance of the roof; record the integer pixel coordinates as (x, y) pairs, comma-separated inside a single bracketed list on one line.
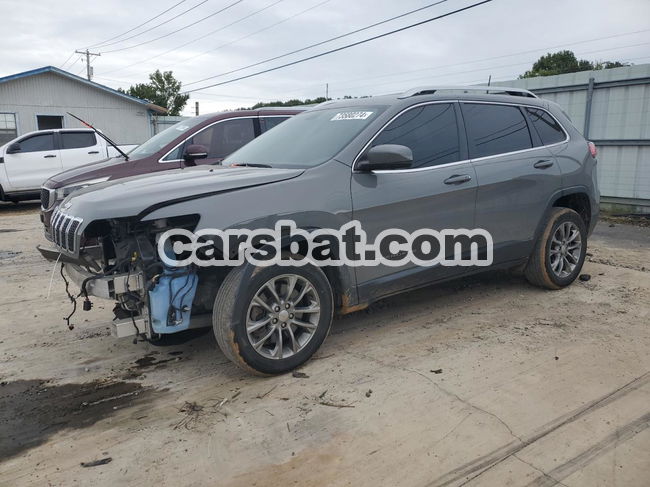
[(79, 79)]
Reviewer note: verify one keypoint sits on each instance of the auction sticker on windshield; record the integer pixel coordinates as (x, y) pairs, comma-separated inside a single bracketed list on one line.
[(351, 116)]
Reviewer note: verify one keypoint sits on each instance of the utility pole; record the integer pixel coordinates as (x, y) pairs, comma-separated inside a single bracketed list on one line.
[(196, 108), (89, 69), (327, 91)]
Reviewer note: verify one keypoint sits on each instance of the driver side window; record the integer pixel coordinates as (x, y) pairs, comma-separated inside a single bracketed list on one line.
[(430, 131), (37, 143)]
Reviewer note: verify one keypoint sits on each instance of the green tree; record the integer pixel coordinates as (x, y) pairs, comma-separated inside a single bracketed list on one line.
[(562, 62), (162, 90), (290, 103)]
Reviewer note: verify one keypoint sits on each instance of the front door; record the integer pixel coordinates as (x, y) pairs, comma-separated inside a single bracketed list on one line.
[(37, 160), (438, 192)]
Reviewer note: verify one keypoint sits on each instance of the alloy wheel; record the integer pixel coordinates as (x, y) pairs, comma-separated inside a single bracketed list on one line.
[(565, 249), (283, 316)]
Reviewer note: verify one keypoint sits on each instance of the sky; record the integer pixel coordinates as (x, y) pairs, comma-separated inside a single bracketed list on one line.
[(198, 39)]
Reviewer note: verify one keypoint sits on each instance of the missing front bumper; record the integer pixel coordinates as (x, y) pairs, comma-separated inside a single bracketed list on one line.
[(106, 287)]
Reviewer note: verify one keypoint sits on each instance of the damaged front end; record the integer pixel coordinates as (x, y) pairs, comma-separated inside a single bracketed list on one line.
[(117, 259)]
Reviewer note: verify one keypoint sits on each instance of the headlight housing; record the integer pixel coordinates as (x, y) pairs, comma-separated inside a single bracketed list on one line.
[(64, 191)]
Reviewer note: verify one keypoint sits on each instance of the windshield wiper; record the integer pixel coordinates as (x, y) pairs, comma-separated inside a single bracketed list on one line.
[(248, 164), (126, 158)]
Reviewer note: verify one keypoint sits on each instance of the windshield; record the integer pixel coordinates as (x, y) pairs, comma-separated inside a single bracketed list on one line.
[(158, 141), (308, 139)]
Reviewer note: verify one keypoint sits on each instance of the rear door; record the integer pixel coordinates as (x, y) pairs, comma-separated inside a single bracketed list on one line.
[(516, 174), (37, 160), (438, 192), (79, 148)]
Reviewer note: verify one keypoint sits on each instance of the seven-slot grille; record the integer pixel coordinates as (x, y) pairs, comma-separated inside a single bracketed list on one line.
[(45, 198), (64, 230)]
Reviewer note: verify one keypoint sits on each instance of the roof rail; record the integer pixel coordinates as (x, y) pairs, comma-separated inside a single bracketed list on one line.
[(495, 90)]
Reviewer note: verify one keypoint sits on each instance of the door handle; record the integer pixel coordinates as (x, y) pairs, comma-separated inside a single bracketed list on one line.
[(458, 179), (94, 152), (543, 164), (48, 156)]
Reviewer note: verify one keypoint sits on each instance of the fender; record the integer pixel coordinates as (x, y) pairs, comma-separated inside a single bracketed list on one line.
[(581, 189), (342, 278)]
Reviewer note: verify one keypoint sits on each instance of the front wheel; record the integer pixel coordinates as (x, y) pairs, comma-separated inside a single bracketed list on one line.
[(560, 251), (269, 320)]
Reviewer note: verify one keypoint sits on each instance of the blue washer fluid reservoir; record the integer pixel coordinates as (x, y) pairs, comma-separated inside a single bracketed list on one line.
[(170, 301)]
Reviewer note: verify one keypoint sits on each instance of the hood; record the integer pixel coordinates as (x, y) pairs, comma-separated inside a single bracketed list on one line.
[(94, 170), (135, 195)]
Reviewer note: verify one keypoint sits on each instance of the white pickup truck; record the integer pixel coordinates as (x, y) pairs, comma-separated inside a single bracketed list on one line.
[(29, 160)]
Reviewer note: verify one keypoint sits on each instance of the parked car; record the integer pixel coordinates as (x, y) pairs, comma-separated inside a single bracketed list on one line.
[(499, 159), (216, 134), (29, 160)]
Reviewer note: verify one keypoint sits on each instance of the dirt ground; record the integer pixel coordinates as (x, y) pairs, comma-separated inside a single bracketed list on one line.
[(484, 381)]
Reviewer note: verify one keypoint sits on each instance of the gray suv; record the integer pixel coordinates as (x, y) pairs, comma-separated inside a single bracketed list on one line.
[(496, 158)]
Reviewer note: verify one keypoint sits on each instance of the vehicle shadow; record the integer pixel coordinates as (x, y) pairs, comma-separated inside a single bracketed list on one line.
[(17, 208), (381, 314)]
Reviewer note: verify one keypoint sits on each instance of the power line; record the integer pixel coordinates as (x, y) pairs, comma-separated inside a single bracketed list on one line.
[(177, 30), (508, 77), (530, 51), (401, 29), (323, 42), (530, 62), (157, 25), (66, 61), (275, 24), (200, 37), (137, 26)]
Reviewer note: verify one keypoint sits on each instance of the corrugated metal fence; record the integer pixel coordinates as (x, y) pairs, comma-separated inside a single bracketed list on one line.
[(612, 108), (160, 123)]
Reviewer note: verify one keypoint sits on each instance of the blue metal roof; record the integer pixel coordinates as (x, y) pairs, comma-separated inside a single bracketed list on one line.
[(74, 77)]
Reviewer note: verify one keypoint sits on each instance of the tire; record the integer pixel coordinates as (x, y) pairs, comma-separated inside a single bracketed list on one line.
[(236, 311), (556, 260)]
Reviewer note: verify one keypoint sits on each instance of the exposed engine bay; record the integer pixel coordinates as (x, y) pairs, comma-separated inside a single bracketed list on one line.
[(118, 259)]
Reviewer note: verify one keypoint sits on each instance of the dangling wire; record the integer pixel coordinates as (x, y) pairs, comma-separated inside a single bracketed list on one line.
[(73, 299)]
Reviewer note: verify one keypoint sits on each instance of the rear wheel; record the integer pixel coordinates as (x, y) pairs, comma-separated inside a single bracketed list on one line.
[(560, 251), (270, 320)]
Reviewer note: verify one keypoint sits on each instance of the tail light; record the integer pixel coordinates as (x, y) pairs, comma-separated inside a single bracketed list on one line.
[(592, 149)]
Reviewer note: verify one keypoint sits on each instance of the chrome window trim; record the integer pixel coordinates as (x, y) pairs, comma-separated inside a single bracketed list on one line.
[(566, 133), (425, 103), (161, 161), (419, 169), (478, 159)]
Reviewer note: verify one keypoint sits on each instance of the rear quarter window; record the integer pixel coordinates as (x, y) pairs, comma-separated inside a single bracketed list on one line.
[(547, 127)]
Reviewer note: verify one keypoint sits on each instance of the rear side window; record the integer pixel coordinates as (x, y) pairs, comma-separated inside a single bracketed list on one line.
[(495, 129), (37, 143), (226, 137), (267, 123), (77, 140), (547, 127), (430, 131)]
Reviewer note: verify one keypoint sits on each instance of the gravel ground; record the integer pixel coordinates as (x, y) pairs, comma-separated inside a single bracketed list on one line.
[(483, 381)]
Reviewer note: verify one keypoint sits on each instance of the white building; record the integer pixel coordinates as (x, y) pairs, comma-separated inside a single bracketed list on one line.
[(40, 99)]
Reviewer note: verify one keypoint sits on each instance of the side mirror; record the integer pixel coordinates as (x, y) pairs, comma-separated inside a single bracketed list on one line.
[(13, 148), (387, 156), (195, 152)]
